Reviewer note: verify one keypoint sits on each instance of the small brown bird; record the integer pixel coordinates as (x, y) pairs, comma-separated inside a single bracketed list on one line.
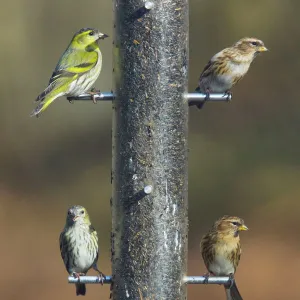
[(79, 245), (228, 66), (221, 250)]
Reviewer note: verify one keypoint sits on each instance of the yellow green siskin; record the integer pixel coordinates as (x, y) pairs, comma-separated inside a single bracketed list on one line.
[(76, 71), (79, 245)]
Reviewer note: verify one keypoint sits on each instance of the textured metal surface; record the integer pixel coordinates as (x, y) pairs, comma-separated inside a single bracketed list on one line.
[(149, 231)]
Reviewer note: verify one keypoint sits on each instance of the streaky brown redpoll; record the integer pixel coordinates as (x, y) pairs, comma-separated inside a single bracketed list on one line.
[(221, 251), (228, 66), (79, 245)]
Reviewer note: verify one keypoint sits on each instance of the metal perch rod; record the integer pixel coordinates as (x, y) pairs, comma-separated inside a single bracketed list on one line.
[(187, 280), (105, 96), (90, 279), (204, 280), (191, 97)]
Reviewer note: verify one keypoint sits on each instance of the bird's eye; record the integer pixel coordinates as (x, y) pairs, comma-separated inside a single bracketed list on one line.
[(235, 223), (69, 212), (82, 212), (91, 33), (254, 43)]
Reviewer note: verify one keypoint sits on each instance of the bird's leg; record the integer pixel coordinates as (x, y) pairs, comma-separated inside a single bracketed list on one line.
[(228, 94), (206, 276), (231, 281), (93, 93), (77, 275), (207, 95), (101, 275)]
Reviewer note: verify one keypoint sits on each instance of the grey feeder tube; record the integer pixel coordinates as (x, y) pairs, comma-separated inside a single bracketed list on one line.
[(150, 128)]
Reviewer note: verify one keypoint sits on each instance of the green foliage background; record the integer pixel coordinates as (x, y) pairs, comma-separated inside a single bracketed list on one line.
[(244, 156)]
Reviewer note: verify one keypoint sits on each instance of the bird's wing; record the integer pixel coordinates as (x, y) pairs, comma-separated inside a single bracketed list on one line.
[(64, 249), (62, 243), (94, 235), (236, 256), (57, 79), (207, 250), (72, 65), (216, 64), (75, 62), (207, 71), (92, 230), (71, 71)]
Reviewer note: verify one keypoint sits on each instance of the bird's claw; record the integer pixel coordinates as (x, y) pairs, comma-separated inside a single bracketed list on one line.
[(77, 275), (231, 281), (93, 93), (228, 95), (206, 277), (207, 95), (101, 277)]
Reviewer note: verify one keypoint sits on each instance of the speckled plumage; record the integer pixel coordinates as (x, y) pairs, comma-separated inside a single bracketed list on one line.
[(221, 250), (79, 245), (229, 66)]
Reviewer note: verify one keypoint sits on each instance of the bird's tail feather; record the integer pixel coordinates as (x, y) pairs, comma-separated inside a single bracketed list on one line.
[(44, 104), (80, 289), (233, 293), (200, 105), (54, 90), (43, 95)]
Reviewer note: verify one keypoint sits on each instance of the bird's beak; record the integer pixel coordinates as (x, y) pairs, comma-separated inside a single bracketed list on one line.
[(102, 36), (243, 227), (262, 49), (75, 218)]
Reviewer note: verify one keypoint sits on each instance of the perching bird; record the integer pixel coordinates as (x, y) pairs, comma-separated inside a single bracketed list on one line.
[(228, 66), (221, 250), (77, 69), (79, 245)]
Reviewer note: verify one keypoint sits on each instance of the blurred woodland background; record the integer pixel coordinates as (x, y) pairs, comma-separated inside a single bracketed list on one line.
[(244, 156)]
